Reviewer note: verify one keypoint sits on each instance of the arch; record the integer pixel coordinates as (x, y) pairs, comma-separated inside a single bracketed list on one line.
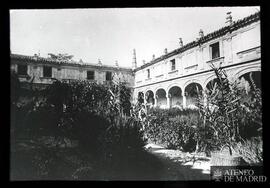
[(137, 93), (191, 94), (210, 85), (161, 97), (161, 92), (176, 96), (158, 88), (149, 96), (147, 89), (191, 81), (243, 74), (247, 70), (245, 82), (174, 85), (208, 79), (189, 86), (140, 97)]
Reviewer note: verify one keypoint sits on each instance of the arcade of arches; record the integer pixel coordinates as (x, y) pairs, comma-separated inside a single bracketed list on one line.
[(175, 96)]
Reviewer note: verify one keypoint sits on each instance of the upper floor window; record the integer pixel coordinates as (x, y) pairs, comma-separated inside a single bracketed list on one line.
[(214, 50), (22, 69), (148, 73), (173, 64), (47, 71), (108, 76), (90, 75)]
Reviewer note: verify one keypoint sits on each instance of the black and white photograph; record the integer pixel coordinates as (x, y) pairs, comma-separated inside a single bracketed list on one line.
[(136, 94)]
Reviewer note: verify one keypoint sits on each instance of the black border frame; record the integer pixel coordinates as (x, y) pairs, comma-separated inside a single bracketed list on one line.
[(5, 144)]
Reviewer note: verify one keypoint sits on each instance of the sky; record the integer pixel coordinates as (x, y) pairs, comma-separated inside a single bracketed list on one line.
[(111, 34)]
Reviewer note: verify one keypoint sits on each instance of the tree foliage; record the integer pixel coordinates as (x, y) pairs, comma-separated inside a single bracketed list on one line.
[(226, 114), (60, 57)]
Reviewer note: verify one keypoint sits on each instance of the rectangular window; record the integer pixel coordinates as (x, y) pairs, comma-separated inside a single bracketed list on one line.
[(90, 75), (47, 71), (148, 73), (173, 64), (214, 50), (22, 69), (108, 76)]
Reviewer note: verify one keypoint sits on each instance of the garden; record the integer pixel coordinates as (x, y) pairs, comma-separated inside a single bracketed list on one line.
[(227, 116), (77, 131), (86, 131)]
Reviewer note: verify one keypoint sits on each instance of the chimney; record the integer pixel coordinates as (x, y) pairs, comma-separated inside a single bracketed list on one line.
[(143, 62), (116, 63), (153, 57), (99, 62), (201, 33), (35, 56), (165, 51), (229, 19), (134, 61), (180, 42)]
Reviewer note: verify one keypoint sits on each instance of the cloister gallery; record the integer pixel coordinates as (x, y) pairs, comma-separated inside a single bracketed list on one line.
[(172, 79)]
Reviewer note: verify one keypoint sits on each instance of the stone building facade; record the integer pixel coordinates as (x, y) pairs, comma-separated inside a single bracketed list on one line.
[(170, 80), (43, 71)]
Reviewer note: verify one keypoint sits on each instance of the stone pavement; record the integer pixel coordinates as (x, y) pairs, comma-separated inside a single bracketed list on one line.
[(180, 166)]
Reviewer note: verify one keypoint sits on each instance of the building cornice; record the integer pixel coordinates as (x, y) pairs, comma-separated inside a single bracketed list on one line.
[(218, 33), (197, 73), (42, 60)]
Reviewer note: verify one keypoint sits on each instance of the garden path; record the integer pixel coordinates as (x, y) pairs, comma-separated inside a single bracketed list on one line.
[(180, 166)]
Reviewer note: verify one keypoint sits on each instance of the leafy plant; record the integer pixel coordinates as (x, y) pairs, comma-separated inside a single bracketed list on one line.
[(225, 113), (173, 128), (251, 150), (94, 115)]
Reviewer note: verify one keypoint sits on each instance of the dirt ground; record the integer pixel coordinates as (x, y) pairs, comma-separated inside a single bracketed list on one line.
[(179, 166), (154, 164)]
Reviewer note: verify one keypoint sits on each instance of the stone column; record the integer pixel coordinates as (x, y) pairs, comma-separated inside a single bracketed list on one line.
[(168, 100), (155, 99), (184, 100), (144, 99)]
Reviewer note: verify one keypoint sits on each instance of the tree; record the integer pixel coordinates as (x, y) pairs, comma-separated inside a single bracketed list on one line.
[(60, 57)]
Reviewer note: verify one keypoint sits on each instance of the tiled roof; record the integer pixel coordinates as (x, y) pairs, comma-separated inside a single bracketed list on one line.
[(37, 59), (236, 25)]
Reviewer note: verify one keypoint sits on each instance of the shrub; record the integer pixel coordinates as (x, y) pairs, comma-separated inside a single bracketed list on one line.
[(90, 113), (173, 128), (251, 150), (227, 116), (122, 139), (56, 108)]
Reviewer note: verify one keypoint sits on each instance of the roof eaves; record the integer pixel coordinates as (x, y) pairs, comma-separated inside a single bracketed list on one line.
[(237, 24), (72, 63)]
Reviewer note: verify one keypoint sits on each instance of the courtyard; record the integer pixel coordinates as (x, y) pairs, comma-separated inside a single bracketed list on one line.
[(87, 103)]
